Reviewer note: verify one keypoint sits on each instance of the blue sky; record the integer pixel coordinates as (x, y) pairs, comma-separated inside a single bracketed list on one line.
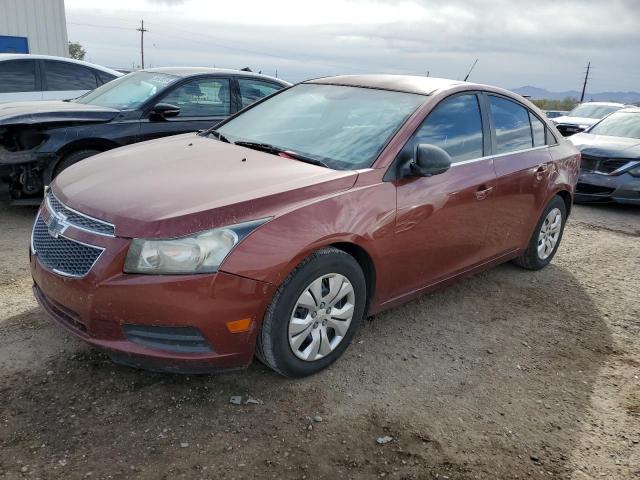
[(542, 43)]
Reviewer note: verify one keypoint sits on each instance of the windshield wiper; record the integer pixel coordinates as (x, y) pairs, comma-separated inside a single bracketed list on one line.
[(265, 147), (216, 134)]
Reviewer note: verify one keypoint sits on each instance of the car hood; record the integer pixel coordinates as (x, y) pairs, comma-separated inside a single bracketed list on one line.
[(179, 185), (566, 120), (606, 146), (30, 113)]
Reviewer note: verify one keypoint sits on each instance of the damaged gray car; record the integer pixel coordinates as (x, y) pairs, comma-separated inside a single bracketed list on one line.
[(38, 140)]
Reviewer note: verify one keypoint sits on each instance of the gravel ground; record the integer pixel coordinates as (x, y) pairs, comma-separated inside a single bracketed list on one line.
[(509, 374)]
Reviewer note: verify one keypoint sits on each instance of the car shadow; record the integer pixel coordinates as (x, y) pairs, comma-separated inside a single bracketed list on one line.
[(491, 375)]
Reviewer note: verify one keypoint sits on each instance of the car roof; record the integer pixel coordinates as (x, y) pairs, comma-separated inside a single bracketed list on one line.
[(630, 109), (606, 104), (399, 83), (190, 71), (30, 56)]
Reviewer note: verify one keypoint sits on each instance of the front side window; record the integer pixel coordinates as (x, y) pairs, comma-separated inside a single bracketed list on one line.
[(202, 98), (17, 76), (511, 123), (455, 125), (253, 90), (619, 124), (344, 127), (63, 76), (130, 91)]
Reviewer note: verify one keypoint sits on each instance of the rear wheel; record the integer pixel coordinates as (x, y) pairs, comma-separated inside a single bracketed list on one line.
[(72, 158), (546, 237), (314, 314)]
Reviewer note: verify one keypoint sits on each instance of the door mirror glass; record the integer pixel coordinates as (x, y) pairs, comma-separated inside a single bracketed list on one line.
[(165, 110), (429, 160)]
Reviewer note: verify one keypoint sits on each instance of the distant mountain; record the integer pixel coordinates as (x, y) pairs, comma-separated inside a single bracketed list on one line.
[(540, 93)]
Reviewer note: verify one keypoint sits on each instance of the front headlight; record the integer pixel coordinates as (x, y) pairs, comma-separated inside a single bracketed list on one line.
[(201, 252)]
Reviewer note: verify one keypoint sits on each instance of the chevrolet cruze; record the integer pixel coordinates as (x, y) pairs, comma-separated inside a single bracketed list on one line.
[(275, 234)]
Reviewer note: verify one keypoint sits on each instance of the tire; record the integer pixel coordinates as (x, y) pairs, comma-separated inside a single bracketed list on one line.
[(73, 157), (332, 268), (533, 258)]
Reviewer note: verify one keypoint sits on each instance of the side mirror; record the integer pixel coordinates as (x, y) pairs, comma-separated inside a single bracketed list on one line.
[(428, 160), (165, 110)]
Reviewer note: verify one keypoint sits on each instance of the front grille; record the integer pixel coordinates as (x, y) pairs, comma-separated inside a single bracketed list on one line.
[(172, 339), (589, 189), (602, 165), (568, 130), (69, 317), (63, 256), (77, 219)]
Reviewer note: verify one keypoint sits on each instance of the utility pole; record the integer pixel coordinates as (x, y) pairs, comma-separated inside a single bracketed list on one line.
[(470, 70), (584, 86), (142, 30)]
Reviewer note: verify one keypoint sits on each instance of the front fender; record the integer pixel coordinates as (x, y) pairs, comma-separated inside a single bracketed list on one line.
[(363, 215)]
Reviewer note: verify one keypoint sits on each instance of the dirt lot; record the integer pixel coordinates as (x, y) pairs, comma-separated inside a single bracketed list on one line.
[(509, 374)]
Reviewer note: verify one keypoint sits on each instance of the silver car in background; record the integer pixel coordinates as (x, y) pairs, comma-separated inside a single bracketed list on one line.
[(584, 116), (610, 168), (25, 77)]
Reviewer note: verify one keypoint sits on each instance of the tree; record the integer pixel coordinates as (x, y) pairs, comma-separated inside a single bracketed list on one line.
[(76, 51)]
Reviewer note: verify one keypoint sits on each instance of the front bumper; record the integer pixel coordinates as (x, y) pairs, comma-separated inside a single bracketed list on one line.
[(595, 187), (100, 307)]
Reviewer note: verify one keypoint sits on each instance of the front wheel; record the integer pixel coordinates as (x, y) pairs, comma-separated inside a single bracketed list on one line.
[(546, 237), (314, 314)]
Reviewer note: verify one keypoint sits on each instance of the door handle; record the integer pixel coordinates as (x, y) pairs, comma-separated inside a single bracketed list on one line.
[(541, 171), (482, 192)]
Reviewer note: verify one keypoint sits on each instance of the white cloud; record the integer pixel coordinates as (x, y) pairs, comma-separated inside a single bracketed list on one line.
[(544, 43)]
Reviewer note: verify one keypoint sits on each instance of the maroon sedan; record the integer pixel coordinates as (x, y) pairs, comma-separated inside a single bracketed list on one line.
[(277, 233)]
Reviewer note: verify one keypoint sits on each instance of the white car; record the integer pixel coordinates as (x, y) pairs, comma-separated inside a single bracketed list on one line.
[(584, 116), (26, 77)]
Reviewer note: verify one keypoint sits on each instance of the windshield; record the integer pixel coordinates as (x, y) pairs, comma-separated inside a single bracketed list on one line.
[(592, 111), (344, 127), (128, 92), (620, 124)]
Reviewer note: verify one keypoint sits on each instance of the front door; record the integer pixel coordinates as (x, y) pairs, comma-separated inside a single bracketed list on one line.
[(203, 103), (442, 220)]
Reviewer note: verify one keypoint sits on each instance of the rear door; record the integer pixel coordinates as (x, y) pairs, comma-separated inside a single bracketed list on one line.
[(19, 81), (65, 80), (442, 220), (523, 168), (203, 103)]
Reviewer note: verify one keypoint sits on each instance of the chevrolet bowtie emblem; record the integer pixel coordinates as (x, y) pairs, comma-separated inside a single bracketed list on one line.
[(57, 225)]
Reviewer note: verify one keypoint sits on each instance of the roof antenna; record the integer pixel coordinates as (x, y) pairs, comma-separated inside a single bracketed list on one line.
[(470, 70)]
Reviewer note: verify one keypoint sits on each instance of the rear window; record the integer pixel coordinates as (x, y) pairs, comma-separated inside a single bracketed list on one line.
[(67, 76), (17, 76), (511, 123)]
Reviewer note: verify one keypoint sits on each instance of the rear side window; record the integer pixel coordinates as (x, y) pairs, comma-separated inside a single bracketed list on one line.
[(63, 76), (537, 128), (104, 77), (455, 125), (253, 90), (511, 123), (18, 76)]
